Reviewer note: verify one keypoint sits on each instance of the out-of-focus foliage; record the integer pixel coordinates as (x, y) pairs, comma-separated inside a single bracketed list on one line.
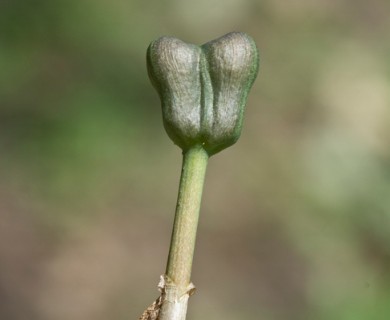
[(295, 222)]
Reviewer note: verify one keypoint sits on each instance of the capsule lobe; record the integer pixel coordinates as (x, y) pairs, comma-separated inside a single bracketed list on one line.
[(233, 67), (173, 68)]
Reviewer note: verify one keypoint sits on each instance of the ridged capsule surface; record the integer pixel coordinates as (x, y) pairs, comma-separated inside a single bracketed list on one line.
[(203, 89)]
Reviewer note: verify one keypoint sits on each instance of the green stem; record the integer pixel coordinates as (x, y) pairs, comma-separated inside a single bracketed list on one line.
[(186, 218)]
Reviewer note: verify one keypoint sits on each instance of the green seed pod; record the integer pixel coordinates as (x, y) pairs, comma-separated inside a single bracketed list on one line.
[(203, 90)]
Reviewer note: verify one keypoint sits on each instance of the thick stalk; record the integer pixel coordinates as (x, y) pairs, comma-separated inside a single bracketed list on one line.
[(178, 285)]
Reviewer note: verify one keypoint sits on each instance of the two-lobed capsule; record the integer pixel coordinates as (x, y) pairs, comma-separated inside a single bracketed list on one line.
[(203, 89)]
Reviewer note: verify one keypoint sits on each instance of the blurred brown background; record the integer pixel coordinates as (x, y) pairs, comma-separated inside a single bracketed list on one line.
[(295, 221)]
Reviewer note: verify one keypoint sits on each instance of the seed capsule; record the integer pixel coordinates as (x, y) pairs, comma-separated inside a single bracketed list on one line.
[(203, 90)]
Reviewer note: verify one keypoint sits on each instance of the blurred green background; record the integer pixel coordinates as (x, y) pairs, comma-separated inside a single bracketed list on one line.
[(295, 220)]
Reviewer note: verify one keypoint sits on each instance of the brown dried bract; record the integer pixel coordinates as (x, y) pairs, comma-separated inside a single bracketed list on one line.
[(152, 312)]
